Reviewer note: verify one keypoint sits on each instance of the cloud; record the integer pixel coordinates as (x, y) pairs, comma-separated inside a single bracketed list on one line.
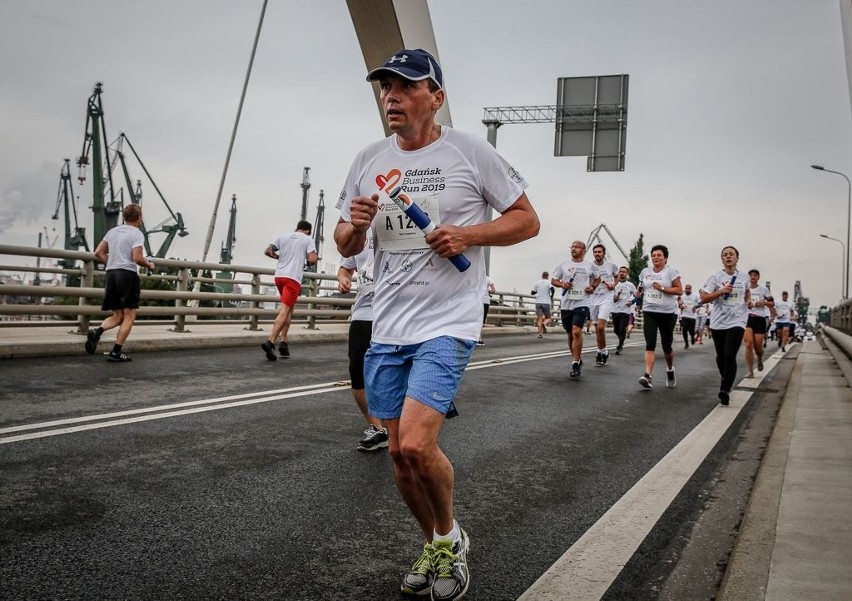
[(25, 199)]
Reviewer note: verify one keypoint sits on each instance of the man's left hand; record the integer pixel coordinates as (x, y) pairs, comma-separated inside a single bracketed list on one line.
[(447, 240)]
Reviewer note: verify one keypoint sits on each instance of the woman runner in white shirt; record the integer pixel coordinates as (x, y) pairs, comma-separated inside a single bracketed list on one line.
[(728, 290), (660, 285)]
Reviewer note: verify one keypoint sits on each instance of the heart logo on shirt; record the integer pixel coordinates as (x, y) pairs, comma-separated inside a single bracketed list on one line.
[(389, 181)]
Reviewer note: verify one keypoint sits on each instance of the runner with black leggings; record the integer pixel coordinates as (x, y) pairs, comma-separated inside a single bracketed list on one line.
[(660, 286), (728, 290)]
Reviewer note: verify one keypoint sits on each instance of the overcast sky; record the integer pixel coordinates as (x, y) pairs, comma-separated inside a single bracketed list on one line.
[(731, 101)]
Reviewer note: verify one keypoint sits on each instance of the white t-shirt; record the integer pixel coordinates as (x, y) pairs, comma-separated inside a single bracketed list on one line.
[(759, 293), (362, 264), (623, 297), (731, 312), (581, 275), (541, 291), (292, 248), (419, 295), (690, 302), (783, 309), (654, 300), (121, 240), (607, 273)]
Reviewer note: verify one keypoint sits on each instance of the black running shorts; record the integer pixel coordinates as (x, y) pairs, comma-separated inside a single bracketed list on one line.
[(757, 324), (122, 290)]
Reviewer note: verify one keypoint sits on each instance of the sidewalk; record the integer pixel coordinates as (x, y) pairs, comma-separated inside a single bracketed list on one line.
[(795, 541)]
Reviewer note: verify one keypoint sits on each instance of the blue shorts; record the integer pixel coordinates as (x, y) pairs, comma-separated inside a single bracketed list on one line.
[(429, 372)]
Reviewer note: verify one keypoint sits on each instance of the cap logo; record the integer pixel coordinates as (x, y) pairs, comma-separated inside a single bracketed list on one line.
[(395, 58)]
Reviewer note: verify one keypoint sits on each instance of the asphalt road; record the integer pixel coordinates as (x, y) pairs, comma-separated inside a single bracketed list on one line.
[(215, 474)]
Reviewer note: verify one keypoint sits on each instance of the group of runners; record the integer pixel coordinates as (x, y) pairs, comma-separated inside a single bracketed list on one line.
[(733, 306)]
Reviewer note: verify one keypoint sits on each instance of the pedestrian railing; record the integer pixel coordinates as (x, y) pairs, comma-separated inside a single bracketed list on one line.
[(183, 293)]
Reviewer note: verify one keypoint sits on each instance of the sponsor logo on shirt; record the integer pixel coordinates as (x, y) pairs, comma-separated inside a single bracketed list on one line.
[(515, 176)]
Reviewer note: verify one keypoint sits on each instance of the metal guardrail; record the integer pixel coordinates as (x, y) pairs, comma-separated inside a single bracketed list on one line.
[(841, 316), (253, 307)]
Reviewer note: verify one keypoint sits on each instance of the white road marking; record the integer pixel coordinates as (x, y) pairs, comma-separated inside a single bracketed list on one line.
[(119, 418), (591, 565), (88, 418), (144, 418)]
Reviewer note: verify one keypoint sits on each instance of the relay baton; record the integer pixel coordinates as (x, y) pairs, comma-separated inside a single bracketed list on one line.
[(635, 298), (421, 220), (733, 281), (571, 281)]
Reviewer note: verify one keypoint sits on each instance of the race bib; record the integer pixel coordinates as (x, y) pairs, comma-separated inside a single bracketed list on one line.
[(395, 231), (735, 297), (653, 294)]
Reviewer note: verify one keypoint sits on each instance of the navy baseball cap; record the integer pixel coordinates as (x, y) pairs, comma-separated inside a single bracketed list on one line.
[(414, 65)]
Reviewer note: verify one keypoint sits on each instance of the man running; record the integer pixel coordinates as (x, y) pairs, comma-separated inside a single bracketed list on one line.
[(291, 250), (784, 309), (623, 303), (605, 271), (543, 292), (758, 316), (360, 332), (576, 279), (121, 251), (428, 314), (687, 303)]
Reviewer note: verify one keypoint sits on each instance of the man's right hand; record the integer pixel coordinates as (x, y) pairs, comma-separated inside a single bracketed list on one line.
[(362, 211)]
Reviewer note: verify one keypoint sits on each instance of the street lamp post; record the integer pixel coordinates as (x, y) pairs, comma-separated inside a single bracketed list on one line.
[(848, 224), (842, 261)]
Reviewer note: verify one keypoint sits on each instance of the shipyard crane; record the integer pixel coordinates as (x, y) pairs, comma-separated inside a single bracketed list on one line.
[(65, 199), (48, 243), (306, 185), (801, 303), (319, 224), (595, 238), (173, 225), (105, 209), (320, 218), (226, 255)]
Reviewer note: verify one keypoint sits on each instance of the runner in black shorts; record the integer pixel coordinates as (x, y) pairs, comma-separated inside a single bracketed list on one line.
[(360, 333), (758, 314), (576, 280), (121, 251)]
